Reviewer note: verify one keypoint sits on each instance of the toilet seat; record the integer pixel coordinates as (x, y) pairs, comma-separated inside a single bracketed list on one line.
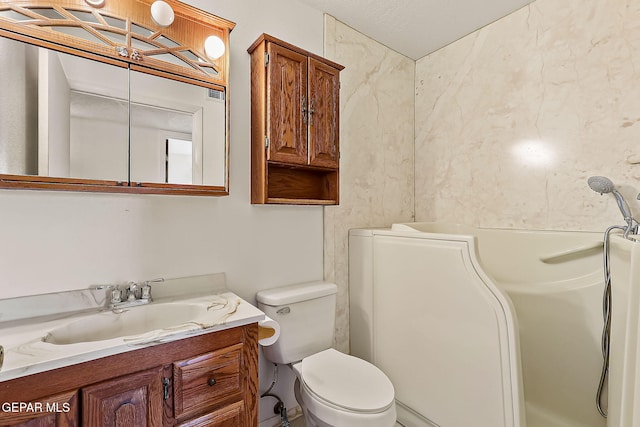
[(346, 382)]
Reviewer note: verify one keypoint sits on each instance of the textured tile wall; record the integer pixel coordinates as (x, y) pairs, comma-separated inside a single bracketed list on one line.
[(512, 119)]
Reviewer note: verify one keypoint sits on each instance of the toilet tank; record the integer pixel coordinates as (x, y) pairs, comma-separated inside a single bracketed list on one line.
[(306, 314)]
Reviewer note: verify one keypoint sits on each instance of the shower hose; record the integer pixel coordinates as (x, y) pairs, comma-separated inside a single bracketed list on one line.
[(606, 314)]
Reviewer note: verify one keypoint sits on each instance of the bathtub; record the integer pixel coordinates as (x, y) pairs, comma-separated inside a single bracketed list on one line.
[(481, 327)]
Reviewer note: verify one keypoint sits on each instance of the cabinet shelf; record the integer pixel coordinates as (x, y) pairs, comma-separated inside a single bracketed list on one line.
[(297, 185)]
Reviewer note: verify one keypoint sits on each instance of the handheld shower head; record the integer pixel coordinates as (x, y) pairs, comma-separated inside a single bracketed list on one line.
[(601, 184)]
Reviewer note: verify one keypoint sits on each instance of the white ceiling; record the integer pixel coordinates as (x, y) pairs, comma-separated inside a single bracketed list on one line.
[(416, 28)]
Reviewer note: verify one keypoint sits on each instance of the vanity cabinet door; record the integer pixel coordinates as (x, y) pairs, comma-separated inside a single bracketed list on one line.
[(60, 410), (132, 400)]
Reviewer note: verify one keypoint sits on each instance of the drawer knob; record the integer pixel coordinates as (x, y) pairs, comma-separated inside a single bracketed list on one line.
[(211, 382)]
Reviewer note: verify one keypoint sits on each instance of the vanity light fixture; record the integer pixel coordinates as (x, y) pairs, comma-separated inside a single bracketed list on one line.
[(95, 3), (214, 47), (162, 13)]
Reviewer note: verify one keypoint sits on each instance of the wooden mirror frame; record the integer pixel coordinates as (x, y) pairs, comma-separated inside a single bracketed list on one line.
[(190, 28)]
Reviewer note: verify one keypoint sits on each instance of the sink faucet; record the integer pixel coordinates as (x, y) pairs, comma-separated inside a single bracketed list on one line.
[(134, 294)]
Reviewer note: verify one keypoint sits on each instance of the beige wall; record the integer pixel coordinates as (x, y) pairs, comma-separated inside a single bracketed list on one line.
[(512, 119), (376, 149), (55, 241)]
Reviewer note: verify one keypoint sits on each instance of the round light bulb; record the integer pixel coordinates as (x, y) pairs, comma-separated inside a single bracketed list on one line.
[(95, 3), (162, 13), (214, 47)]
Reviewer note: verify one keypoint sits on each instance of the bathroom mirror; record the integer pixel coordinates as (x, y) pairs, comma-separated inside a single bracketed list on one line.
[(154, 121), (55, 109)]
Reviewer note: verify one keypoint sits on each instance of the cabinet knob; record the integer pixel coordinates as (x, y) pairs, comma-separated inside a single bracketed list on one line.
[(211, 382)]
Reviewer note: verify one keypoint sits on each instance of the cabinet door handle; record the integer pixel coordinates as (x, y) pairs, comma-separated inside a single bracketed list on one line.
[(304, 110), (165, 388), (211, 382), (311, 112)]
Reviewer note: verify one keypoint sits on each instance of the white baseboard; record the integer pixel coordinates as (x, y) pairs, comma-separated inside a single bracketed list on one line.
[(409, 418)]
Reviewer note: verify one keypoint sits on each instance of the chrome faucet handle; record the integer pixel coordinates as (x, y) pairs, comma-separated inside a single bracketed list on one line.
[(109, 294), (146, 288), (116, 295), (146, 291)]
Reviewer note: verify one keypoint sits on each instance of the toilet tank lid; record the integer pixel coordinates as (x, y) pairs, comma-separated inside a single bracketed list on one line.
[(296, 293)]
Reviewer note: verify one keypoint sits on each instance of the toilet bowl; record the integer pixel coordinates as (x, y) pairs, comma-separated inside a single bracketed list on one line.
[(335, 389), (332, 388)]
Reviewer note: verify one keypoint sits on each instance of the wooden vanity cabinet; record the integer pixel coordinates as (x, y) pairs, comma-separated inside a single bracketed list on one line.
[(295, 126), (208, 380)]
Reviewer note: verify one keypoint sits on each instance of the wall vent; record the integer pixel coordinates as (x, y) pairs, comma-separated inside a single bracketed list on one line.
[(216, 94)]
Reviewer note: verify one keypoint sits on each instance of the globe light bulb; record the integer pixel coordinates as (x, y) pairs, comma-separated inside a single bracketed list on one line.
[(162, 13), (214, 47)]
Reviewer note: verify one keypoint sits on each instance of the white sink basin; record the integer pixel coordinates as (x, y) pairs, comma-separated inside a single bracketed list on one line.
[(130, 322)]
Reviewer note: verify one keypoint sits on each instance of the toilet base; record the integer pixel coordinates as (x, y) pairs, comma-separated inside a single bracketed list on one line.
[(318, 414)]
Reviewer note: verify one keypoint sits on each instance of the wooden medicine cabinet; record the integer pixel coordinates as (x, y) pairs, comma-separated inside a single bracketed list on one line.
[(115, 98), (295, 104)]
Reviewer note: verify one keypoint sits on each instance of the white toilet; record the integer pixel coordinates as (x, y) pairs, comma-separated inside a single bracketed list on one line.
[(333, 388)]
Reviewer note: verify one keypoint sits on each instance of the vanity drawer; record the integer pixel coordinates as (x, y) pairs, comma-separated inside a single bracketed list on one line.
[(228, 416), (207, 379)]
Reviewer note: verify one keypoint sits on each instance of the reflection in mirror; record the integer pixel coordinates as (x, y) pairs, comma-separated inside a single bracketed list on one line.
[(65, 116), (97, 106), (183, 112), (95, 153), (45, 115), (18, 108)]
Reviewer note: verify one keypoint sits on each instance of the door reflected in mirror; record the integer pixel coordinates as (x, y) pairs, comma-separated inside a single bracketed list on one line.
[(179, 167)]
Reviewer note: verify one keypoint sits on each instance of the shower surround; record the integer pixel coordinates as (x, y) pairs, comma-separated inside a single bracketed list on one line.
[(501, 128)]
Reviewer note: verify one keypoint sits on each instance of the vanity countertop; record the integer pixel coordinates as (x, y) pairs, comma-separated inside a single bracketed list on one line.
[(26, 350)]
